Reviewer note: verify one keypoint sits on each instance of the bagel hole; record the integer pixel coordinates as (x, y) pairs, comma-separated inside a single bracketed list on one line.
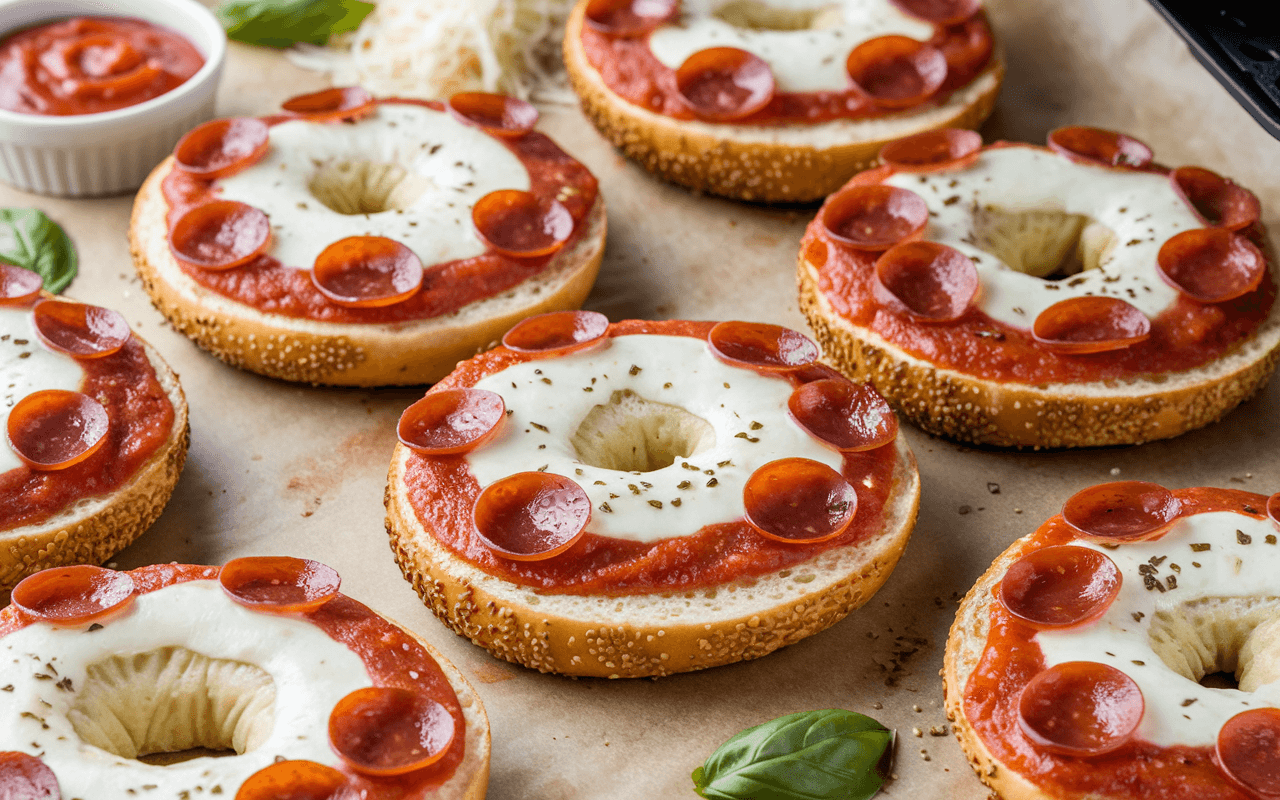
[(172, 704), (1221, 642), (365, 187), (632, 434), (1046, 243), (758, 16)]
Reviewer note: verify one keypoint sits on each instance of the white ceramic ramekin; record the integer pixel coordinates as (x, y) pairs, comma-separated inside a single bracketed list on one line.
[(112, 151)]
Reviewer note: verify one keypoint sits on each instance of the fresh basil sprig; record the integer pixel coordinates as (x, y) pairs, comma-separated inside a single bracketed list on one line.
[(281, 23), (830, 754), (30, 240)]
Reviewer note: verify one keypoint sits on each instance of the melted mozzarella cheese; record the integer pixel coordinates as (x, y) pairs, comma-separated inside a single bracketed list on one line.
[(27, 366)]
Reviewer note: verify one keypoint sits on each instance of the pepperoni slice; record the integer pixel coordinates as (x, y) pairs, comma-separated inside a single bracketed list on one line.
[(521, 224), (80, 330), (940, 12), (1216, 200), (367, 272), (1090, 325), (851, 417), (929, 281), (874, 216), (897, 71), (1248, 751), (1211, 265), (386, 731), (799, 501), (222, 147), (1099, 146), (629, 18), (724, 84), (1060, 587), (1080, 708), (495, 114), (25, 777), (54, 429), (297, 780), (532, 516), (1123, 510), (18, 286), (558, 332), (331, 105), (931, 151), (73, 595), (219, 235), (279, 584), (1273, 509), (769, 348), (451, 421)]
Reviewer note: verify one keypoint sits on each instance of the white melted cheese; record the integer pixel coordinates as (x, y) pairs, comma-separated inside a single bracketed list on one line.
[(452, 164), (311, 673), (1118, 639), (26, 366), (676, 370), (1141, 208), (801, 60)]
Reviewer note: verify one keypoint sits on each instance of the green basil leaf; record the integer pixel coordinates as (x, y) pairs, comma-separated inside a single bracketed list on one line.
[(30, 240), (830, 754), (281, 23)]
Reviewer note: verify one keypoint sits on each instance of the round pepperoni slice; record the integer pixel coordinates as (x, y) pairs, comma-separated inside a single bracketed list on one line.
[(724, 84), (222, 147), (1248, 752), (1090, 325), (1060, 587), (558, 332), (1211, 265), (80, 330), (874, 216), (769, 348), (929, 281), (495, 114), (25, 777), (331, 105), (940, 12), (387, 731), (219, 235), (1273, 509), (629, 18), (451, 421), (532, 516), (367, 272), (1216, 200), (279, 584), (851, 417), (897, 71), (1099, 146), (1080, 708), (945, 148), (799, 501), (73, 595), (18, 286), (297, 780), (1123, 510), (54, 429), (521, 224)]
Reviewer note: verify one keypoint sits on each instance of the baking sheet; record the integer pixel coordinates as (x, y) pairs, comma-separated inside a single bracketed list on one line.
[(277, 468)]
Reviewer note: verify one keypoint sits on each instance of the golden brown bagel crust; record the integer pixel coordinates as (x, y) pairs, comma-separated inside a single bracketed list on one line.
[(308, 351), (717, 160), (636, 636), (92, 530), (470, 780)]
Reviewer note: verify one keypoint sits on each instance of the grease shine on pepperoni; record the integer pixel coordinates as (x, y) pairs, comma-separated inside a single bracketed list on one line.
[(221, 234), (724, 84), (1090, 324), (25, 777), (222, 147), (385, 731), (279, 584), (331, 105), (1080, 708), (18, 287), (1099, 146), (451, 421), (1248, 752), (531, 516), (79, 329), (1123, 511), (763, 347), (945, 148), (629, 18), (520, 224), (558, 332), (851, 417), (897, 71), (73, 595), (874, 216), (939, 12), (55, 429), (799, 501), (296, 780), (1060, 587), (1211, 265), (495, 114), (367, 272), (929, 281), (1216, 200)]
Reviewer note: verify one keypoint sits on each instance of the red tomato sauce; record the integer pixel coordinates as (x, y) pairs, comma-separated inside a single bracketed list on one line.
[(272, 287), (1138, 770), (391, 656), (141, 418), (86, 65), (443, 492)]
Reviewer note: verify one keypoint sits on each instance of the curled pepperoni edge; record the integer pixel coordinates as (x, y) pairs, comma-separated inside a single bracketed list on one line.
[(207, 212), (486, 219), (441, 405), (370, 706), (515, 117), (319, 582), (814, 470), (1234, 768), (307, 776), (1110, 148), (26, 777), (1052, 326), (331, 105), (935, 151), (749, 71), (1082, 670), (216, 131), (558, 333), (18, 287), (1044, 564), (343, 255), (596, 10), (767, 340), (1203, 189), (89, 581), (1086, 503), (929, 63), (875, 199), (909, 255), (526, 486), (960, 11), (1190, 244), (842, 398), (111, 335), (55, 401)]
